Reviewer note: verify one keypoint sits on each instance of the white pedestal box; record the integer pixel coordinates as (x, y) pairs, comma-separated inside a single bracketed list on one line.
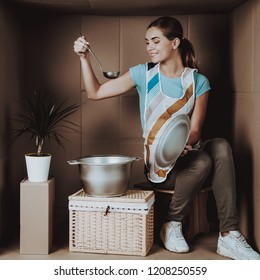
[(36, 216)]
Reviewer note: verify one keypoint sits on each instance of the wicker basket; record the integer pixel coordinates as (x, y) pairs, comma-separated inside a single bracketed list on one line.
[(116, 225)]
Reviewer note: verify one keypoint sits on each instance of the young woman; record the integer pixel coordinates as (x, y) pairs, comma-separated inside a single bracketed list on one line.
[(168, 86)]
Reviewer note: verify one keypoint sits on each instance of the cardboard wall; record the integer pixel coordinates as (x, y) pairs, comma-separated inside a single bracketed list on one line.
[(226, 49), (11, 84), (245, 62)]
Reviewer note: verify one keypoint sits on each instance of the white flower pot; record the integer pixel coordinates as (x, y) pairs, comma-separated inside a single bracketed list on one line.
[(38, 167)]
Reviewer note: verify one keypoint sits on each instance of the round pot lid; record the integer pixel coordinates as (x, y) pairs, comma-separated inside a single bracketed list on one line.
[(172, 140)]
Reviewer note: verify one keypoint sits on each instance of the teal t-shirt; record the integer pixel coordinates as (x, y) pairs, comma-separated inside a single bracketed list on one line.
[(171, 86)]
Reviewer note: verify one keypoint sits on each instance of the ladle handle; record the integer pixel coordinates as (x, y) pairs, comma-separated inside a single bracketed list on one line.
[(95, 58)]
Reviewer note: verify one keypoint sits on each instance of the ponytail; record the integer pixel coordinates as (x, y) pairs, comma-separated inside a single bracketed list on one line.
[(187, 53), (171, 29)]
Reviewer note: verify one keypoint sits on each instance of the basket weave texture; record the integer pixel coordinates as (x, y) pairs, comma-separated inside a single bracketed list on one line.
[(116, 225)]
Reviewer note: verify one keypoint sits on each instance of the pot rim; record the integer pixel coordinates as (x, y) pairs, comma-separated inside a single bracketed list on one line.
[(123, 160)]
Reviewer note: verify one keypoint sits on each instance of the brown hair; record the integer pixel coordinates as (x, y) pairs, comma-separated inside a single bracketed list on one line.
[(171, 29)]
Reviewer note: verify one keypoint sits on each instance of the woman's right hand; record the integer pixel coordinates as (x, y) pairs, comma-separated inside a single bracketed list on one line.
[(95, 90), (186, 149), (81, 47)]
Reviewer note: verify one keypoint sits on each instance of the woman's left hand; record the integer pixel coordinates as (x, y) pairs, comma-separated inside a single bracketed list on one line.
[(186, 149)]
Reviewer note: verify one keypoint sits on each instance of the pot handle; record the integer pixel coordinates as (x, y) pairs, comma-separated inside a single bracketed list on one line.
[(72, 162)]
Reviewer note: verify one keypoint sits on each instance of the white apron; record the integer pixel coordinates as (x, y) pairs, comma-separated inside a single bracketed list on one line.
[(159, 110)]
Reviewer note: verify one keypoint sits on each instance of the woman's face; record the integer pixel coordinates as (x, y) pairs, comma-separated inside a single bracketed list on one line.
[(158, 46)]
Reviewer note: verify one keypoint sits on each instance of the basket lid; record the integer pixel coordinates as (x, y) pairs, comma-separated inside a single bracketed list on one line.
[(133, 201), (131, 196)]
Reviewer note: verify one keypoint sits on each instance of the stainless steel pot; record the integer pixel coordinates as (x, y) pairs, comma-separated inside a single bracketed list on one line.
[(105, 175)]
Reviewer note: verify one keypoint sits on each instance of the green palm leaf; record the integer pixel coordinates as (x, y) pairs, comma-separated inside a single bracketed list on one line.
[(45, 117)]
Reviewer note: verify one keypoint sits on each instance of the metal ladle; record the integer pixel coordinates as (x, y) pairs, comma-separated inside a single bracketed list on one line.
[(108, 74)]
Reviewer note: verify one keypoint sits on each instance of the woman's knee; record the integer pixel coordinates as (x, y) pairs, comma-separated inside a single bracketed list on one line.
[(221, 148)]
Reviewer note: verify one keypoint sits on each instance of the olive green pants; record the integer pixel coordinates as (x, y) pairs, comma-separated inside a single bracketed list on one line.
[(214, 162)]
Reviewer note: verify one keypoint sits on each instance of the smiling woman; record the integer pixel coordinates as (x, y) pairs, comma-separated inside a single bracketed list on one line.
[(170, 86), (158, 33)]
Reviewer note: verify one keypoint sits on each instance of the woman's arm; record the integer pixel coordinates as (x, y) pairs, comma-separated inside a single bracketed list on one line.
[(94, 89), (197, 120)]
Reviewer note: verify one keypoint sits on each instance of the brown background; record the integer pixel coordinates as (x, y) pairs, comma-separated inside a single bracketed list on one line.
[(36, 51)]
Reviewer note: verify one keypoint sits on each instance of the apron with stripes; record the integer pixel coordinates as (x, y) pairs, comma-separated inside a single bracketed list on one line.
[(159, 110)]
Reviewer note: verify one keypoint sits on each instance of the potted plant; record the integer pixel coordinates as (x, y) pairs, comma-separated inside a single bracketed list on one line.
[(43, 117)]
